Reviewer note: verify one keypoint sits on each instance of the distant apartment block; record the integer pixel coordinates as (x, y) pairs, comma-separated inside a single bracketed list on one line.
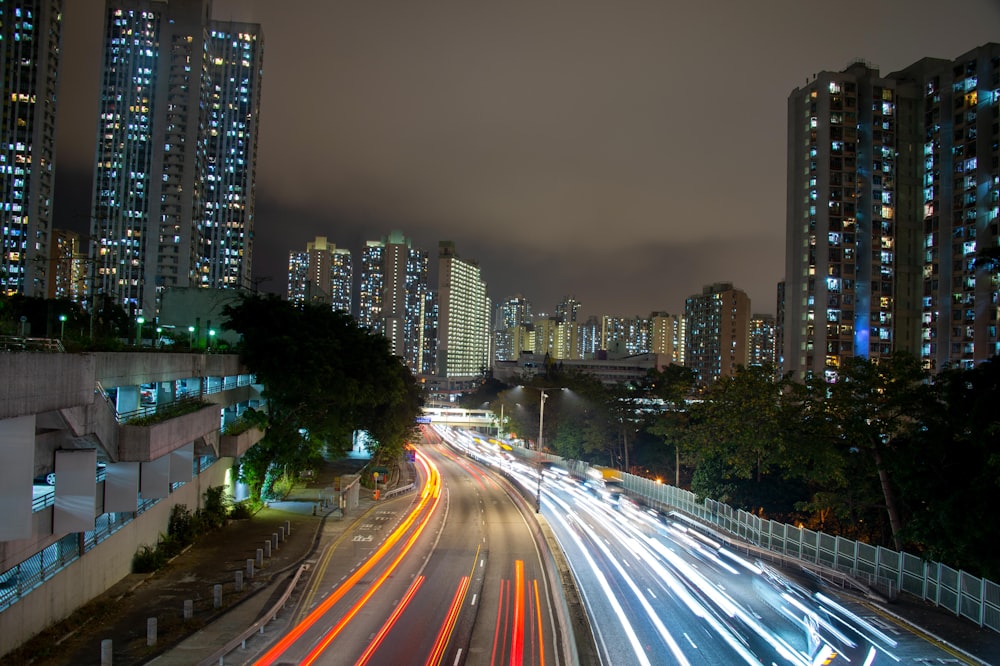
[(761, 349), (464, 317), (667, 334), (67, 267), (396, 301), (718, 329), (510, 316), (322, 274)]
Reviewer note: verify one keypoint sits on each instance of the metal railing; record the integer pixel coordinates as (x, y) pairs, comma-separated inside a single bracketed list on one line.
[(14, 343), (32, 572)]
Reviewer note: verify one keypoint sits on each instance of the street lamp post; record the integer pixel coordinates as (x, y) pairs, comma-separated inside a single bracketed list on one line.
[(538, 447), (62, 326), (190, 337), (139, 321), (211, 337)]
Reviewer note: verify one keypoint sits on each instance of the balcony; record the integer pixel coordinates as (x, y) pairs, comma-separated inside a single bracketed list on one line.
[(143, 443)]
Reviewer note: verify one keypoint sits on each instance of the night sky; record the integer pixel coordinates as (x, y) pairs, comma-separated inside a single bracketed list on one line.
[(624, 153)]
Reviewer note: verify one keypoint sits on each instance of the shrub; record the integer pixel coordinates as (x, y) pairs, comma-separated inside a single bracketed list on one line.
[(217, 508), (148, 559), (183, 527)]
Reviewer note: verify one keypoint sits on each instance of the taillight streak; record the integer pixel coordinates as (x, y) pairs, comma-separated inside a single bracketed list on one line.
[(431, 490)]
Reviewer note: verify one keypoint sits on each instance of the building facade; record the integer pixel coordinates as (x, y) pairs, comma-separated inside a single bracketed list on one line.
[(956, 197), (173, 197), (464, 319), (892, 195), (30, 36), (718, 329)]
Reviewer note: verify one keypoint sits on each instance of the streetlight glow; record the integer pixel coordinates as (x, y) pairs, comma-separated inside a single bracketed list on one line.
[(62, 325)]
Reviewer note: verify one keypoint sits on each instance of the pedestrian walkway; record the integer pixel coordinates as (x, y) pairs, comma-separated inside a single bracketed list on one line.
[(123, 613)]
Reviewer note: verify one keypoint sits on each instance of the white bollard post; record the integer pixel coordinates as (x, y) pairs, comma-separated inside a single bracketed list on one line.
[(188, 609), (150, 631), (239, 581), (217, 595), (106, 652)]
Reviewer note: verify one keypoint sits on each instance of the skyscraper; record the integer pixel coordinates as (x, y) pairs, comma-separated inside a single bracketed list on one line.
[(956, 202), (173, 200), (893, 192), (30, 34), (510, 320), (395, 300), (843, 186), (322, 274), (464, 319), (718, 328), (667, 334), (761, 344), (65, 274)]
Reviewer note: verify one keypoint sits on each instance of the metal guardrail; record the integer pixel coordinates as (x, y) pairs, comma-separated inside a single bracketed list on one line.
[(398, 491), (14, 343), (218, 657)]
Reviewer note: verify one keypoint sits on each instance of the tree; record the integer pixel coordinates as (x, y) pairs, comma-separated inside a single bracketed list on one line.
[(948, 471), (874, 406), (324, 378), (672, 386)]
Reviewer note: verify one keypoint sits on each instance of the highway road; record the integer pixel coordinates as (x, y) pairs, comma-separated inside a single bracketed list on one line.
[(661, 589), (450, 575)]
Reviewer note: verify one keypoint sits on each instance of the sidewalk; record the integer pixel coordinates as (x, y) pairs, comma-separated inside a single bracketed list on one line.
[(122, 613)]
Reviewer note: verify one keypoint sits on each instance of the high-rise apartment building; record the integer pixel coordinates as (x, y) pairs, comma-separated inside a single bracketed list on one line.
[(718, 329), (892, 192), (510, 318), (66, 275), (322, 274), (761, 341), (30, 34), (464, 319), (956, 198), (625, 336), (842, 208), (396, 302), (570, 339), (667, 333), (173, 200)]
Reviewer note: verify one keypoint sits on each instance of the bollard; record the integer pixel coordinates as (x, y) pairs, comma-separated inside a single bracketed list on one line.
[(250, 563), (150, 631), (288, 528), (281, 534), (217, 595), (239, 578), (260, 557), (274, 541), (267, 549), (188, 609), (106, 652)]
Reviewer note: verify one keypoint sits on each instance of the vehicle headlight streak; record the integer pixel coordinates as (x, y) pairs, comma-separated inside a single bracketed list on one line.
[(608, 593)]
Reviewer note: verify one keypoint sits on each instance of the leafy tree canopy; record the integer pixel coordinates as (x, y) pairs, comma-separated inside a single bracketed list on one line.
[(324, 378)]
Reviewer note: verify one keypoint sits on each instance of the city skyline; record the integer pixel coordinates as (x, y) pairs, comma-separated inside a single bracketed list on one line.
[(558, 150)]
